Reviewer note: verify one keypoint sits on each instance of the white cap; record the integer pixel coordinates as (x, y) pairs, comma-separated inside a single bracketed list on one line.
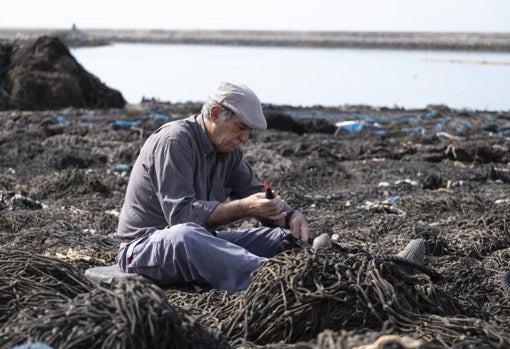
[(240, 99)]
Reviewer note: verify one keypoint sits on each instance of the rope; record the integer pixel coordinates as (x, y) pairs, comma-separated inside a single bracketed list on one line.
[(505, 282)]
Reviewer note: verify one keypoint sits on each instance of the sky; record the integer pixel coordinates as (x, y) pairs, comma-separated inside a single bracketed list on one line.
[(328, 15)]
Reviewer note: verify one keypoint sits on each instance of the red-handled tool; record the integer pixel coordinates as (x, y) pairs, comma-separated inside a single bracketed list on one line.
[(269, 192)]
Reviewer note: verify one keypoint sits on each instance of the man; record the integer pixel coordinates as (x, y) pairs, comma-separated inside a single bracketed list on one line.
[(189, 178)]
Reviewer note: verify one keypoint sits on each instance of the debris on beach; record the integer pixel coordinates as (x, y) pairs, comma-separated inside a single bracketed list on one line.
[(355, 187)]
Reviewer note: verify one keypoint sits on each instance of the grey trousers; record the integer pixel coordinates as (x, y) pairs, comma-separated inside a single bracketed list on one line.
[(190, 254)]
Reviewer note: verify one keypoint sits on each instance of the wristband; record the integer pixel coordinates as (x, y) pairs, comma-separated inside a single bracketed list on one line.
[(287, 218)]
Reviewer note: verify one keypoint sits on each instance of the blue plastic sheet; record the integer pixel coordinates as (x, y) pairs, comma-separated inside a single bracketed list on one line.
[(350, 125), (126, 123)]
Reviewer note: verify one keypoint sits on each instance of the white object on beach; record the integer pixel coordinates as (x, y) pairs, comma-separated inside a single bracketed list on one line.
[(108, 274), (349, 125), (321, 241)]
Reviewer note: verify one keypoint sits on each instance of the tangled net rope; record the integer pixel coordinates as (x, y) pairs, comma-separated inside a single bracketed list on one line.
[(320, 299), (132, 314), (26, 280), (505, 282), (294, 297)]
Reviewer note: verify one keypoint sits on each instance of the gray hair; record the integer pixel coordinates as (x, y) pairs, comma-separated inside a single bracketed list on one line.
[(226, 113)]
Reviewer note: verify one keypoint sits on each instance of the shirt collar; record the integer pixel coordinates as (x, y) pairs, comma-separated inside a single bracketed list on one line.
[(205, 142)]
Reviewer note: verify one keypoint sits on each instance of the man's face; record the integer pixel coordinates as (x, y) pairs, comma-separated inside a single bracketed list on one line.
[(227, 135)]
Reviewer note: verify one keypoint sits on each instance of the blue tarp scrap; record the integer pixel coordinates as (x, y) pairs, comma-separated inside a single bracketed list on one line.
[(53, 120), (350, 125), (159, 116), (122, 167), (494, 128), (412, 118), (430, 115), (379, 132), (414, 130), (316, 114), (463, 125), (125, 123), (358, 125), (440, 122)]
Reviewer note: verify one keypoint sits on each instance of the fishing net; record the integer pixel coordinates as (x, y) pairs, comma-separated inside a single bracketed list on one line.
[(26, 281), (63, 183), (358, 339), (130, 314), (82, 249), (296, 296)]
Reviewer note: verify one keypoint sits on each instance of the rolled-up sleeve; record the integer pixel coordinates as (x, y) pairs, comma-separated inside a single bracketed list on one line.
[(173, 175)]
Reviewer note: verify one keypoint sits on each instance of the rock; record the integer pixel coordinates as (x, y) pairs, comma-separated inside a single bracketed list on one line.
[(322, 241), (414, 251), (43, 74), (283, 122)]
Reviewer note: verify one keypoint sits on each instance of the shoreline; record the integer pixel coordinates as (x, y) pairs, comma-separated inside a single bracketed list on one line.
[(488, 42)]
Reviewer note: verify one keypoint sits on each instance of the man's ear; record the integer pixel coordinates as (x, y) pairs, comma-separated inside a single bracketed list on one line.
[(215, 112)]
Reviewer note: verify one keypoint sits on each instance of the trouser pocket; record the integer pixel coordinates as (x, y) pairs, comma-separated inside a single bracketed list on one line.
[(131, 247)]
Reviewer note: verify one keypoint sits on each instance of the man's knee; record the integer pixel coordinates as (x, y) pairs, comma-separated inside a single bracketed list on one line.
[(179, 234)]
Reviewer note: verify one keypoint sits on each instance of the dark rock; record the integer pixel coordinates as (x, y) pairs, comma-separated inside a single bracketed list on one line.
[(5, 61), (433, 182), (44, 75), (318, 125), (283, 122)]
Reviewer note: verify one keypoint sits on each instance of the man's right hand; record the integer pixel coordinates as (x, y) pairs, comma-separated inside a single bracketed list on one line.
[(257, 205)]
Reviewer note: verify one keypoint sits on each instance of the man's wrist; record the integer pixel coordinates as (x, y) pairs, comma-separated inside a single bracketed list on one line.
[(287, 218)]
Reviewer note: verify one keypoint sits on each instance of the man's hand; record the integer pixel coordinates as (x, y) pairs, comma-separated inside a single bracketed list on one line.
[(299, 226), (257, 205)]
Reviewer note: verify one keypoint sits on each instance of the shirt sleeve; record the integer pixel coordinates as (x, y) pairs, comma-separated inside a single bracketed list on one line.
[(243, 180), (172, 174)]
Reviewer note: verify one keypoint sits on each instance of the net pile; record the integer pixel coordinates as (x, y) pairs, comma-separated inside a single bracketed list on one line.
[(346, 340), (295, 297), (27, 281), (82, 249), (67, 184), (130, 314)]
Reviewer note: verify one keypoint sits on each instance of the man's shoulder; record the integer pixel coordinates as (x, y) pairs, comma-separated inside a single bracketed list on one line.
[(176, 128)]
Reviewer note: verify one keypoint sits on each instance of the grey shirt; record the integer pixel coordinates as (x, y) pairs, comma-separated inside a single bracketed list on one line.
[(172, 180)]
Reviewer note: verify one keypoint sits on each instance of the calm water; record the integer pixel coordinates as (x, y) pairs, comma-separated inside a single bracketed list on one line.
[(298, 76)]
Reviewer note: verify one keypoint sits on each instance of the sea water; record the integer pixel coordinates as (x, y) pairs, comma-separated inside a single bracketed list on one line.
[(305, 76)]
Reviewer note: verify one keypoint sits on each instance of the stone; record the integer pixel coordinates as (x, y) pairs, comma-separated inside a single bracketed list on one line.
[(414, 251), (322, 241), (108, 274)]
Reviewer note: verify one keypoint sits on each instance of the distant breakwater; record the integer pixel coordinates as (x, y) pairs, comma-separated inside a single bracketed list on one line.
[(489, 42)]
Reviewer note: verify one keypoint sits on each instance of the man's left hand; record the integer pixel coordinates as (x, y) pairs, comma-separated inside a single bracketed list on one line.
[(299, 226)]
